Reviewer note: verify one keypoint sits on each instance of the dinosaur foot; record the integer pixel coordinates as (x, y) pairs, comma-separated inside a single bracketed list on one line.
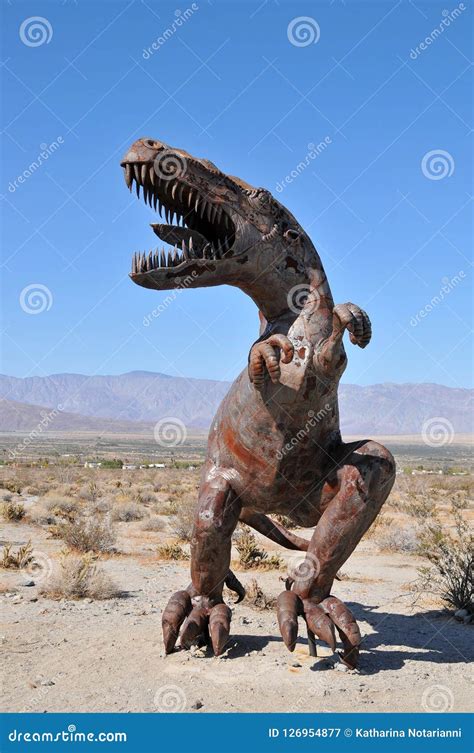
[(321, 619), (195, 621)]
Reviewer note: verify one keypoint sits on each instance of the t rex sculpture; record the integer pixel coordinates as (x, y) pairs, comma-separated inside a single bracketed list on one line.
[(275, 445)]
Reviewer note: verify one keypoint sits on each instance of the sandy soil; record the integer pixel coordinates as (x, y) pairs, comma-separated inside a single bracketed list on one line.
[(108, 655)]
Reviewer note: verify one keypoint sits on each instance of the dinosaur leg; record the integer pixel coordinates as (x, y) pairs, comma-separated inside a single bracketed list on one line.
[(200, 609), (365, 477)]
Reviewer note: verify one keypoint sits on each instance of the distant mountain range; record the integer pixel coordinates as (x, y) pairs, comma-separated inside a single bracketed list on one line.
[(128, 402)]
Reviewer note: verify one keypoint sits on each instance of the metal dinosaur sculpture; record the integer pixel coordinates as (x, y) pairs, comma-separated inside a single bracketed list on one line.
[(275, 445)]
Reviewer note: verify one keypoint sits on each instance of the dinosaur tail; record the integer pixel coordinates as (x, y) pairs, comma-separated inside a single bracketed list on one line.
[(274, 531)]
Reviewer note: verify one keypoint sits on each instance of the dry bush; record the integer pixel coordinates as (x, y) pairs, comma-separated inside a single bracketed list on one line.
[(126, 512), (62, 507), (450, 573), (257, 597), (87, 534), (154, 523), (395, 539), (13, 511), (183, 523), (285, 521), (80, 578), (250, 554), (40, 516), (91, 492), (16, 560), (172, 551)]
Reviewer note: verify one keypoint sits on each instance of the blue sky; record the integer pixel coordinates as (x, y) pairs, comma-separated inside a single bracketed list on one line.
[(388, 202)]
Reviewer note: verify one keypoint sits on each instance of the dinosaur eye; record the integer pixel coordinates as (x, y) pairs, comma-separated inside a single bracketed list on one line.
[(150, 142), (291, 235)]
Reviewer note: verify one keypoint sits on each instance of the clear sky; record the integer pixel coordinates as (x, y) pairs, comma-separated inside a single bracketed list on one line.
[(387, 201)]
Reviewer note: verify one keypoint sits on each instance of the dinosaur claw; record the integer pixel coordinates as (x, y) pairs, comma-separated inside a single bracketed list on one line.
[(320, 624), (175, 612), (219, 627), (289, 606), (195, 627)]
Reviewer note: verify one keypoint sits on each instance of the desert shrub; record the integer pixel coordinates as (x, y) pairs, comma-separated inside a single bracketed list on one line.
[(79, 577), (21, 558), (13, 511), (127, 511), (183, 523), (395, 539), (285, 521), (450, 573), (419, 507), (153, 523), (250, 554), (41, 516), (12, 486), (257, 597), (87, 534), (172, 552), (91, 492), (63, 507)]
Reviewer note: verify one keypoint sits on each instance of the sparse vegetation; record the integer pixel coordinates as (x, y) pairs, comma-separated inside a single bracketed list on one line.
[(257, 597), (127, 511), (184, 521), (80, 577), (251, 555), (13, 511), (19, 559), (87, 534), (450, 573), (172, 551)]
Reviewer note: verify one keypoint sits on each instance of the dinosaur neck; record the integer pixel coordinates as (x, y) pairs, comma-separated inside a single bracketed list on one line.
[(282, 290)]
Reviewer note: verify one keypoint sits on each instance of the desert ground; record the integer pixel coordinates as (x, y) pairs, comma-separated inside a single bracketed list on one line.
[(91, 554)]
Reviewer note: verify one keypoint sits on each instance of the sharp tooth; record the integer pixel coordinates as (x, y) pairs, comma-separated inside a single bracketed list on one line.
[(128, 176), (155, 201), (196, 203), (136, 170), (167, 215), (160, 207), (203, 208), (134, 264), (152, 175), (144, 172), (142, 263), (181, 192), (190, 197), (150, 261), (172, 217), (176, 258), (156, 260), (145, 193), (184, 249), (170, 259), (137, 188), (174, 189), (209, 212), (162, 258)]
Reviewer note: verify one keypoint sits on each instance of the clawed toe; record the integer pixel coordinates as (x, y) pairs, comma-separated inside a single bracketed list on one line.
[(321, 619), (200, 624)]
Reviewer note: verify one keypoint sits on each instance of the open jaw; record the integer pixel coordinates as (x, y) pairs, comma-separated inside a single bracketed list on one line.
[(203, 231)]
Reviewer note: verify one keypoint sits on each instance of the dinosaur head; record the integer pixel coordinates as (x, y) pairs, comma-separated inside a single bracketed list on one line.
[(219, 230)]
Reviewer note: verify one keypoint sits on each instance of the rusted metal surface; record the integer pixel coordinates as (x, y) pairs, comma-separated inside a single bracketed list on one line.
[(275, 445)]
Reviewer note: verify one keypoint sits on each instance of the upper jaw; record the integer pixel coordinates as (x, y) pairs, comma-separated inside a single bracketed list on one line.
[(204, 228)]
